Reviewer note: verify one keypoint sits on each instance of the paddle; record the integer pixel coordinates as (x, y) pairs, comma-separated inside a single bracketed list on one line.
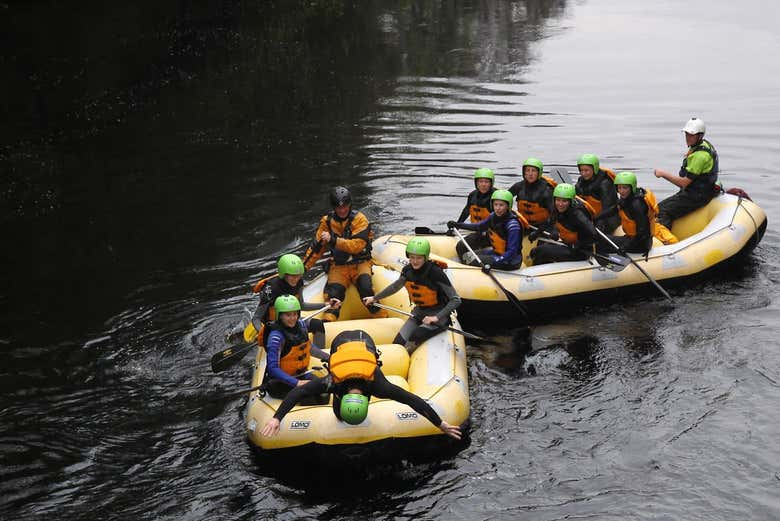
[(256, 387), (560, 175), (645, 273), (509, 296), (232, 355), (612, 262), (453, 329), (424, 230)]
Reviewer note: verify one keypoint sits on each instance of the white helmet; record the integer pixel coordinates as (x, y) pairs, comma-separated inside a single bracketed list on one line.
[(694, 126)]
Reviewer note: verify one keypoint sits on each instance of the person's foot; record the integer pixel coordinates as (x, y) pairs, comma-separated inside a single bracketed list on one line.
[(470, 258)]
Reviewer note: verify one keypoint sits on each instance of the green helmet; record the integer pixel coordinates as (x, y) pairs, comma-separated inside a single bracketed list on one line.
[(589, 159), (564, 191), (354, 408), (502, 195), (418, 246), (286, 304), (290, 264), (626, 178), (484, 173), (532, 161)]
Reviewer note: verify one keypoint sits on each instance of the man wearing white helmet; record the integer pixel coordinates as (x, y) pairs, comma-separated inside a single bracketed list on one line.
[(696, 179)]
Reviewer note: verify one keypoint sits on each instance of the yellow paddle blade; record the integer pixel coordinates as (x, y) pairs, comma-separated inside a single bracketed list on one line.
[(250, 333)]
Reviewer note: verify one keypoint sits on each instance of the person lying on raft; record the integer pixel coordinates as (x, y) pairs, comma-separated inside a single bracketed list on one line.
[(429, 289), (477, 208), (505, 231), (354, 377), (288, 348), (570, 222)]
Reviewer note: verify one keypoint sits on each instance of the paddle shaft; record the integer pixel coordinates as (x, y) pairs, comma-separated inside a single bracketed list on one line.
[(453, 329), (588, 253), (509, 296), (613, 264), (258, 387), (635, 263)]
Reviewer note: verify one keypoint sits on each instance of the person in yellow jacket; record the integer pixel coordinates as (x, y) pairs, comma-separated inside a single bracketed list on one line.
[(346, 232)]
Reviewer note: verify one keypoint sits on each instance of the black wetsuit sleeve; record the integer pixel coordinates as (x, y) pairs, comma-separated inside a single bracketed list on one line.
[(267, 296), (382, 388), (586, 231), (313, 388), (608, 194), (453, 300), (639, 215), (607, 212), (465, 213), (392, 288)]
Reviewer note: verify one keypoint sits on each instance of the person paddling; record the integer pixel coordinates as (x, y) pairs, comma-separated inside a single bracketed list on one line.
[(505, 231), (354, 376), (288, 281), (288, 348), (572, 223), (637, 208), (429, 289)]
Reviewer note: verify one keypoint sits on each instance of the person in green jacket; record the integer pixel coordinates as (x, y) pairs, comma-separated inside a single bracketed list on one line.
[(696, 179)]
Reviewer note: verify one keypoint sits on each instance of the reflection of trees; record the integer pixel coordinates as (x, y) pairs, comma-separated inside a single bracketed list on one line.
[(484, 38), (131, 128)]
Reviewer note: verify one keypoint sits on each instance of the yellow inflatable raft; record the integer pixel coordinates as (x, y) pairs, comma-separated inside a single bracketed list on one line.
[(436, 372), (709, 238)]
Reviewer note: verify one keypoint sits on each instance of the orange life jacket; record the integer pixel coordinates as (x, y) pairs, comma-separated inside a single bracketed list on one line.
[(296, 351), (498, 239), (423, 292), (352, 360), (534, 212), (296, 360), (595, 202), (478, 213), (629, 225), (571, 236)]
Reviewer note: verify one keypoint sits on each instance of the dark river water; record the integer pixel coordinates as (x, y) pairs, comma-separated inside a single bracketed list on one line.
[(157, 157)]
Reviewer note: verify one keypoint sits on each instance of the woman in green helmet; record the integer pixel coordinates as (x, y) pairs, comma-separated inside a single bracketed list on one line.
[(505, 232), (288, 348), (287, 281), (429, 289), (478, 208), (595, 187), (571, 224), (352, 389), (637, 209), (534, 193)]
